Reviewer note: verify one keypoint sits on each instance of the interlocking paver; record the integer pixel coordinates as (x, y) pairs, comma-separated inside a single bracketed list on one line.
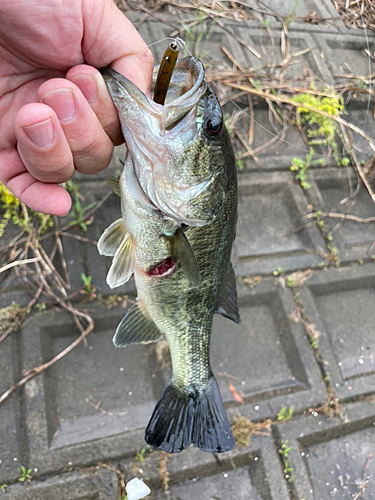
[(11, 434), (192, 473), (85, 484), (268, 355), (95, 393), (271, 206), (329, 187), (340, 303), (328, 456)]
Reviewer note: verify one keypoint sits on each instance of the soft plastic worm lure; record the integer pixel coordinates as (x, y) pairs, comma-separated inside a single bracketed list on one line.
[(166, 68)]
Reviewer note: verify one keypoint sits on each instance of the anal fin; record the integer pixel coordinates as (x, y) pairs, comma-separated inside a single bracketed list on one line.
[(226, 304), (136, 328)]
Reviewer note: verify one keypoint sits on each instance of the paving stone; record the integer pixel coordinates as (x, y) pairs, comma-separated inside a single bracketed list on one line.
[(328, 457), (266, 358), (328, 188), (253, 471), (87, 405), (299, 9), (83, 485), (11, 449), (345, 53), (270, 204), (340, 303)]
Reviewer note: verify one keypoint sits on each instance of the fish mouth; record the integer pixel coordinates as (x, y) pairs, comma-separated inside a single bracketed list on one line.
[(156, 136)]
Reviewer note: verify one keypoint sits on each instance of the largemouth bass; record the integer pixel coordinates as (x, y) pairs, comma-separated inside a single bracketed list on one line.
[(178, 194)]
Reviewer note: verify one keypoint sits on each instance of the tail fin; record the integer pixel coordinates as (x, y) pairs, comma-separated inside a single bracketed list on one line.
[(181, 418)]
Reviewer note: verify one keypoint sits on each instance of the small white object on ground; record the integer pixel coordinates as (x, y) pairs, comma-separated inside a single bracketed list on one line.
[(137, 489)]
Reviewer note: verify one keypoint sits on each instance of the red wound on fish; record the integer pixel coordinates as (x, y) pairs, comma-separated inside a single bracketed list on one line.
[(162, 268)]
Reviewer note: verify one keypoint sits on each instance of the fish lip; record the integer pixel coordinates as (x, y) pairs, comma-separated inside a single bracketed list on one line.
[(114, 80), (172, 110)]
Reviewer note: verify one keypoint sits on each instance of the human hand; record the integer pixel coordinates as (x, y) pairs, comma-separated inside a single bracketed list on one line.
[(55, 112)]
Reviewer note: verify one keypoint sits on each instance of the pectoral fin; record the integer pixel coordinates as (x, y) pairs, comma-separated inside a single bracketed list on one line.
[(227, 301), (123, 263), (115, 185), (111, 239), (136, 328), (183, 253)]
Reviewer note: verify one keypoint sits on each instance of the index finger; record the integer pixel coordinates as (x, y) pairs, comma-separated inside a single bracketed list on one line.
[(115, 42)]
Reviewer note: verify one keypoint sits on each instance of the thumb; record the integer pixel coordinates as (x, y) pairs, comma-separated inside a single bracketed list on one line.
[(111, 39)]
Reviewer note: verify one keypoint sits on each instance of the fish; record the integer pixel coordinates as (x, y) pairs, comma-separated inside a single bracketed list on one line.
[(178, 190)]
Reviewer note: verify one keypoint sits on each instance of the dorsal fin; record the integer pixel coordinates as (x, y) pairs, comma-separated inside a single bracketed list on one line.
[(114, 182), (136, 328), (226, 303), (112, 237), (182, 252)]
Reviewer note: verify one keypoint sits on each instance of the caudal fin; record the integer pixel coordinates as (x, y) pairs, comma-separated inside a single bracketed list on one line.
[(181, 418)]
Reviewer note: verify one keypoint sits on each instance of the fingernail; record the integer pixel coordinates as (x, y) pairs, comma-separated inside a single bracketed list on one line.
[(41, 134), (62, 102), (87, 85)]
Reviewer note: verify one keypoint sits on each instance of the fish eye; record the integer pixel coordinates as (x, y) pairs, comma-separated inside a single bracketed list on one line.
[(214, 126)]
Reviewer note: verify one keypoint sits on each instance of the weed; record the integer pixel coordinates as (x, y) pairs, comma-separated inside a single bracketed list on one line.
[(324, 129), (285, 414), (290, 282), (333, 251), (78, 211), (2, 487), (88, 289), (239, 162), (284, 452), (141, 455), (13, 211), (278, 271), (291, 15), (197, 36), (243, 428), (139, 463), (301, 166), (25, 474), (11, 314), (40, 307)]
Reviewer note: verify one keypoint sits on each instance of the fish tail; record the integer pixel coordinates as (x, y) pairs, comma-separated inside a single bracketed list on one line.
[(182, 417)]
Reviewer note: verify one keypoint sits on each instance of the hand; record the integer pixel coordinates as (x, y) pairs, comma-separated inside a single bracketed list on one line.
[(55, 112)]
